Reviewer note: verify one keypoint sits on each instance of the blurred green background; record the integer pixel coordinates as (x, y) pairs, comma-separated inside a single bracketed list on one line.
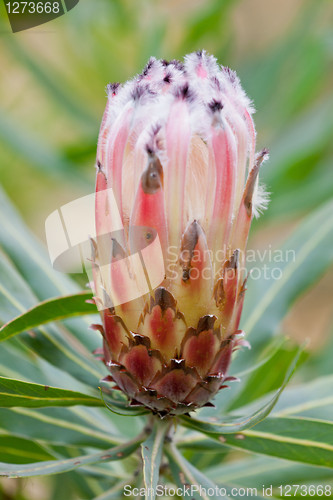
[(52, 97)]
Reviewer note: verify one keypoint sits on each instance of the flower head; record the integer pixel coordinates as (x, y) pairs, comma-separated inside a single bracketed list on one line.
[(177, 176)]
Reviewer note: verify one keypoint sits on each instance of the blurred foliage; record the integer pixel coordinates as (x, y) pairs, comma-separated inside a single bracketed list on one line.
[(52, 92)]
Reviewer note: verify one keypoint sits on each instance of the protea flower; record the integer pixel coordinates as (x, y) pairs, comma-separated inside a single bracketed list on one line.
[(176, 181)]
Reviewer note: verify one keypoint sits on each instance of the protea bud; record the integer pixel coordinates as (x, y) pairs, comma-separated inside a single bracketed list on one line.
[(176, 178)]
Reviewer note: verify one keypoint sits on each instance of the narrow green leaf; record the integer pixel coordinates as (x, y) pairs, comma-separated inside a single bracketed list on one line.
[(58, 466), (55, 343), (109, 470), (298, 439), (60, 348), (50, 310), (189, 479), (79, 485), (270, 351), (17, 450), (116, 491), (100, 476), (308, 441), (265, 470), (60, 426), (311, 399), (237, 424), (69, 349), (152, 455), (118, 403), (18, 363), (29, 257), (15, 393), (15, 293), (310, 252), (264, 380), (196, 441), (306, 254)]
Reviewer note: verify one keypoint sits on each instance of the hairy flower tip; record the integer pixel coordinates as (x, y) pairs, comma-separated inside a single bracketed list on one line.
[(261, 199), (260, 195), (215, 105), (112, 88), (177, 188)]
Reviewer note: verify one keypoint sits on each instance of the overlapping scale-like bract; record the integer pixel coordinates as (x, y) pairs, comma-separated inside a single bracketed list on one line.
[(177, 148)]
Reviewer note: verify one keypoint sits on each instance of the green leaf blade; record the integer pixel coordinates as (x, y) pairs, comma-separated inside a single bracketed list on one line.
[(58, 426), (59, 466), (49, 310), (297, 439), (152, 456), (313, 253), (17, 450), (15, 393), (186, 476)]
